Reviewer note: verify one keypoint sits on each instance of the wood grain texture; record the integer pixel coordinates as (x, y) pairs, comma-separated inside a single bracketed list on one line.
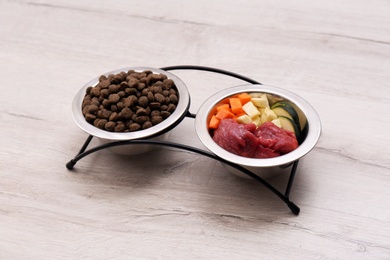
[(173, 204)]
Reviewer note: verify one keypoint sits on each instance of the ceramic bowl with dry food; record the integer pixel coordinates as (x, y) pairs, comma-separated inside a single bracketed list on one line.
[(259, 132), (131, 103)]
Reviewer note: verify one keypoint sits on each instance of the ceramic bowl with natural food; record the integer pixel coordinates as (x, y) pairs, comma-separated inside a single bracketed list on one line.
[(158, 131), (308, 129)]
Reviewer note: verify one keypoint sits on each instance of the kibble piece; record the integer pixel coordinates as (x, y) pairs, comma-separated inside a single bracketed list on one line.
[(156, 119), (145, 92), (171, 108), (104, 93), (155, 77), (110, 126), (123, 75), (106, 103), (135, 75), (134, 127), (95, 102), (133, 116), (113, 89), (96, 121), (85, 110), (123, 85), (90, 118), (141, 112), (120, 105), (130, 91), (126, 113), (86, 103), (141, 119), (113, 116), (113, 98), (143, 101), (159, 97), (95, 92), (150, 96), (127, 102), (157, 89), (148, 110), (141, 85), (102, 78), (165, 92), (88, 90), (92, 109), (105, 114), (121, 94), (119, 128), (87, 97), (168, 83), (117, 78), (101, 123), (114, 108), (165, 114), (146, 125), (133, 82), (173, 98), (155, 113), (133, 99), (104, 84), (155, 105), (110, 78)]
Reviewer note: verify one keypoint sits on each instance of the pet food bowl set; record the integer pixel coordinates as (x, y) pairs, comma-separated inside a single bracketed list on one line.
[(142, 141)]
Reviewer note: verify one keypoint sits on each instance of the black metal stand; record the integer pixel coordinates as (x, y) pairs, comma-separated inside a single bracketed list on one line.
[(285, 197)]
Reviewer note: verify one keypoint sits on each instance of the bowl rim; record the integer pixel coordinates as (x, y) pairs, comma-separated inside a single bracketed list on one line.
[(313, 121), (175, 118)]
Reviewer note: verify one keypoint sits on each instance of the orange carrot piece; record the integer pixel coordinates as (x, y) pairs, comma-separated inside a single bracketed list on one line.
[(223, 107), (223, 113), (245, 98), (236, 105), (214, 122)]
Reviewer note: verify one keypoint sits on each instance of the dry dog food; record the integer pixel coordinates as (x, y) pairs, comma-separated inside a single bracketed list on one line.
[(130, 101)]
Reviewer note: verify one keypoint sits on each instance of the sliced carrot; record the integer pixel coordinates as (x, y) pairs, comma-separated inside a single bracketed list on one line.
[(224, 101), (223, 107), (244, 98), (214, 122), (223, 113), (236, 105)]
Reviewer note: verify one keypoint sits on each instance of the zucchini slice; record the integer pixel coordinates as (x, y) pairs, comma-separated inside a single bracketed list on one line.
[(280, 111), (289, 124), (301, 115), (289, 109), (296, 113)]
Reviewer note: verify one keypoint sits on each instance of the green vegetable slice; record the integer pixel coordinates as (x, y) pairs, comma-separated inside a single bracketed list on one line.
[(289, 111), (289, 124)]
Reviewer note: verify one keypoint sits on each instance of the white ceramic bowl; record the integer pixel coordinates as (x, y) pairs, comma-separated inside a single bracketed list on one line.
[(157, 132), (268, 167)]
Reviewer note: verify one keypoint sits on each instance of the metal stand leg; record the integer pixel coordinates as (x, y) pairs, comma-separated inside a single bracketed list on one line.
[(284, 197), (294, 208), (72, 162)]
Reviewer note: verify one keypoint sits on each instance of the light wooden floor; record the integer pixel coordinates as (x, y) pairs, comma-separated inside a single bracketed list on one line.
[(173, 204)]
